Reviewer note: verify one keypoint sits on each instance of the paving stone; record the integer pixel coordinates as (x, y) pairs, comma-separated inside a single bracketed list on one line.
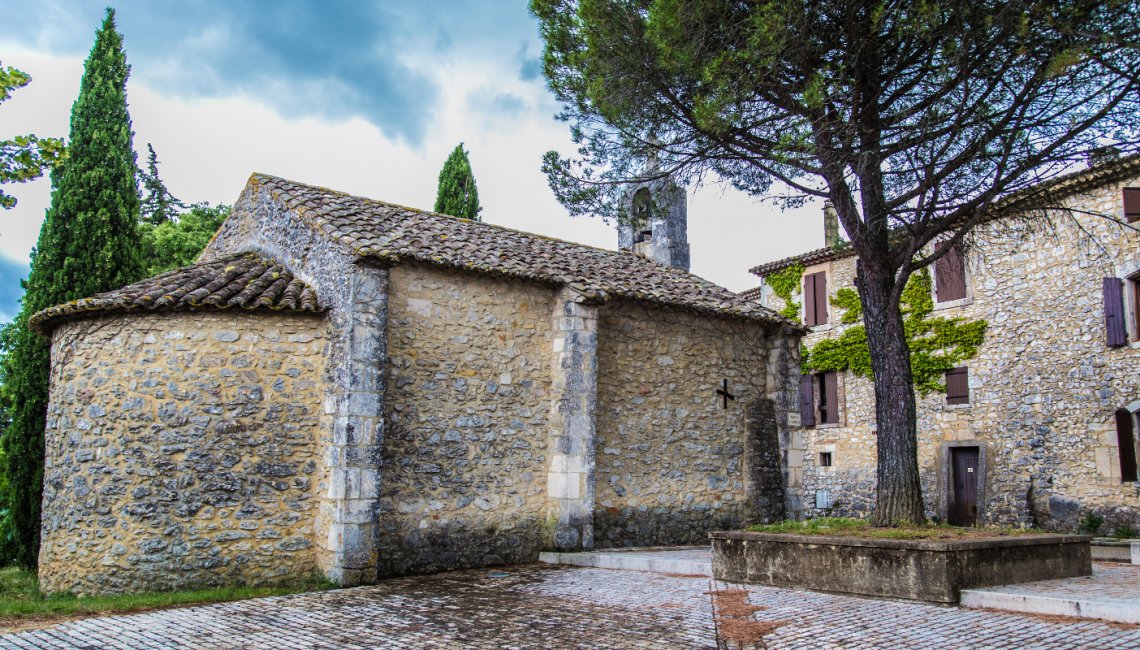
[(541, 606)]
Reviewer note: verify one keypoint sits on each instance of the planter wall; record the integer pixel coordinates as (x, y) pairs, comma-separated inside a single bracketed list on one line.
[(934, 571)]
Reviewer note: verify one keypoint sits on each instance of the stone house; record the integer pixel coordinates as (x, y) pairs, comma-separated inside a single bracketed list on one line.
[(1039, 428), (359, 389)]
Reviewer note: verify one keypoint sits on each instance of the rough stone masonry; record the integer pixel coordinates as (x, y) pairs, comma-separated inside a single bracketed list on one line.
[(358, 389)]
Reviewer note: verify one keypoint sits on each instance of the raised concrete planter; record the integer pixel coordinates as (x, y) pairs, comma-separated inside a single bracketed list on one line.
[(933, 571), (1136, 552)]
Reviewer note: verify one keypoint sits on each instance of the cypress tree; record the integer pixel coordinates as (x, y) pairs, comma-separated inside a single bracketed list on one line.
[(457, 195), (158, 204), (88, 243)]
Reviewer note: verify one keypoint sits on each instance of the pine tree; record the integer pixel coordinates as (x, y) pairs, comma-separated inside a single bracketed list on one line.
[(158, 204), (457, 195), (88, 243)]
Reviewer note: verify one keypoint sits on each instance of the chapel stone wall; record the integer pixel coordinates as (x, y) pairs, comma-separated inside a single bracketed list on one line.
[(671, 462), (1043, 387), (467, 405), (180, 451)]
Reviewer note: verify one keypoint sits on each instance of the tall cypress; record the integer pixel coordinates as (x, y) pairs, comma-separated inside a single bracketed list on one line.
[(457, 195), (159, 206), (89, 243)]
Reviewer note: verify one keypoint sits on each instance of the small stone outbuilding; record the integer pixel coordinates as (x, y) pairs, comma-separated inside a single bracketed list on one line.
[(359, 389)]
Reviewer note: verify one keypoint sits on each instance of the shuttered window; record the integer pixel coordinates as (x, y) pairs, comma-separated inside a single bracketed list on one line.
[(807, 402), (815, 299), (1126, 441), (828, 398), (1114, 327), (1132, 204), (949, 274), (958, 386)]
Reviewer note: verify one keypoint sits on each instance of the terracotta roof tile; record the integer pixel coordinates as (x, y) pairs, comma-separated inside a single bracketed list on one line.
[(243, 281), (394, 233)]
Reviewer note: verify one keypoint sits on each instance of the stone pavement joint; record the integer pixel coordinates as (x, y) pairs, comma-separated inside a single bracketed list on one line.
[(543, 606)]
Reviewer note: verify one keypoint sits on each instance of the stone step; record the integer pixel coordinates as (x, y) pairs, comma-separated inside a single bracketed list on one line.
[(1107, 610), (695, 561)]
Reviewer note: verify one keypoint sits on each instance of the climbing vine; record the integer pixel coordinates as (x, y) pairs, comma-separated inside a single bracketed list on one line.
[(936, 344), (786, 283)]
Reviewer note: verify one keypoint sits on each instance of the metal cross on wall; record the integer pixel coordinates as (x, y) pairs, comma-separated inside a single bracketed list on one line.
[(723, 392)]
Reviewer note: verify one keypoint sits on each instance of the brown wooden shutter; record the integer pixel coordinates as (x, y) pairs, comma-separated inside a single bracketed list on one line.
[(949, 274), (821, 298), (809, 300), (1132, 204), (807, 402), (831, 389), (815, 299), (1115, 335), (1126, 445), (958, 386)]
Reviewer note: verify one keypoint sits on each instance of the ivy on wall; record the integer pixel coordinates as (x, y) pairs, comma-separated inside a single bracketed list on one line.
[(787, 284), (936, 344)]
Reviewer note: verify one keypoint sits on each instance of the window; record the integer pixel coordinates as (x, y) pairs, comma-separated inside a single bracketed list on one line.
[(819, 399), (825, 459), (1132, 287), (815, 299), (949, 274), (958, 386), (1126, 444), (1115, 332), (1132, 204)]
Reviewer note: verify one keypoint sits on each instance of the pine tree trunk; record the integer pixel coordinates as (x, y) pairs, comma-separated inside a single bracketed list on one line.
[(899, 491)]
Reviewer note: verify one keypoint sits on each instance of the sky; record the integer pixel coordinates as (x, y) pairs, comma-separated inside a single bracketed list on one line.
[(363, 97)]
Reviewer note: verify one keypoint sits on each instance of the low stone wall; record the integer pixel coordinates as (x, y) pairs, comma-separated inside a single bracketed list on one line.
[(180, 451), (934, 571)]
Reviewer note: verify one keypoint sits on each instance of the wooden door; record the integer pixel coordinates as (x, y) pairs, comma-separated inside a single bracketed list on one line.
[(963, 486)]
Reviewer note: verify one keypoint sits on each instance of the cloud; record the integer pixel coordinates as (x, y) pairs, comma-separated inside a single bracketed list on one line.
[(530, 67), (330, 59)]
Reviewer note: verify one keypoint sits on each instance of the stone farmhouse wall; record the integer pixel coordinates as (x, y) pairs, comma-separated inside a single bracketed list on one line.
[(181, 450), (464, 458), (672, 461), (1043, 387)]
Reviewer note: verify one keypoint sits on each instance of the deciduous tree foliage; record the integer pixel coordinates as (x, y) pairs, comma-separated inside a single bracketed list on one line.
[(89, 243), (916, 119), (179, 241), (457, 194), (24, 157)]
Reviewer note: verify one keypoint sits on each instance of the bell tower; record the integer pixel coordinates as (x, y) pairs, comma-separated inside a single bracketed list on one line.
[(657, 225)]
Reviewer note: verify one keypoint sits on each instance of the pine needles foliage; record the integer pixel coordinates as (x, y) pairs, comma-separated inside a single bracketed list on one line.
[(89, 243), (457, 194)]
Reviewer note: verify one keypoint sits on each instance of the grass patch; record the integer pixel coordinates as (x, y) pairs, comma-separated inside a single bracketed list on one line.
[(860, 528), (21, 598)]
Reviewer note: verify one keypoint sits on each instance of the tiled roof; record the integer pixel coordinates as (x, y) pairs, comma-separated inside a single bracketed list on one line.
[(1055, 189), (243, 281), (751, 294), (396, 234)]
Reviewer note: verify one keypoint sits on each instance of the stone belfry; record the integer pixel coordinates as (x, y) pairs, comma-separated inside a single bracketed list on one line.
[(658, 224)]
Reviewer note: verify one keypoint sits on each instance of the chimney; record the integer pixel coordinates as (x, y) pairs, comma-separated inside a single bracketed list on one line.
[(830, 226)]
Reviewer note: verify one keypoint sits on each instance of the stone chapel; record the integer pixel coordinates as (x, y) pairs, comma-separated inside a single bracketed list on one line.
[(359, 389)]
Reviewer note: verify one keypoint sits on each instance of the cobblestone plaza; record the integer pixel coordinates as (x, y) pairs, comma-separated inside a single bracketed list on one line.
[(538, 606)]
